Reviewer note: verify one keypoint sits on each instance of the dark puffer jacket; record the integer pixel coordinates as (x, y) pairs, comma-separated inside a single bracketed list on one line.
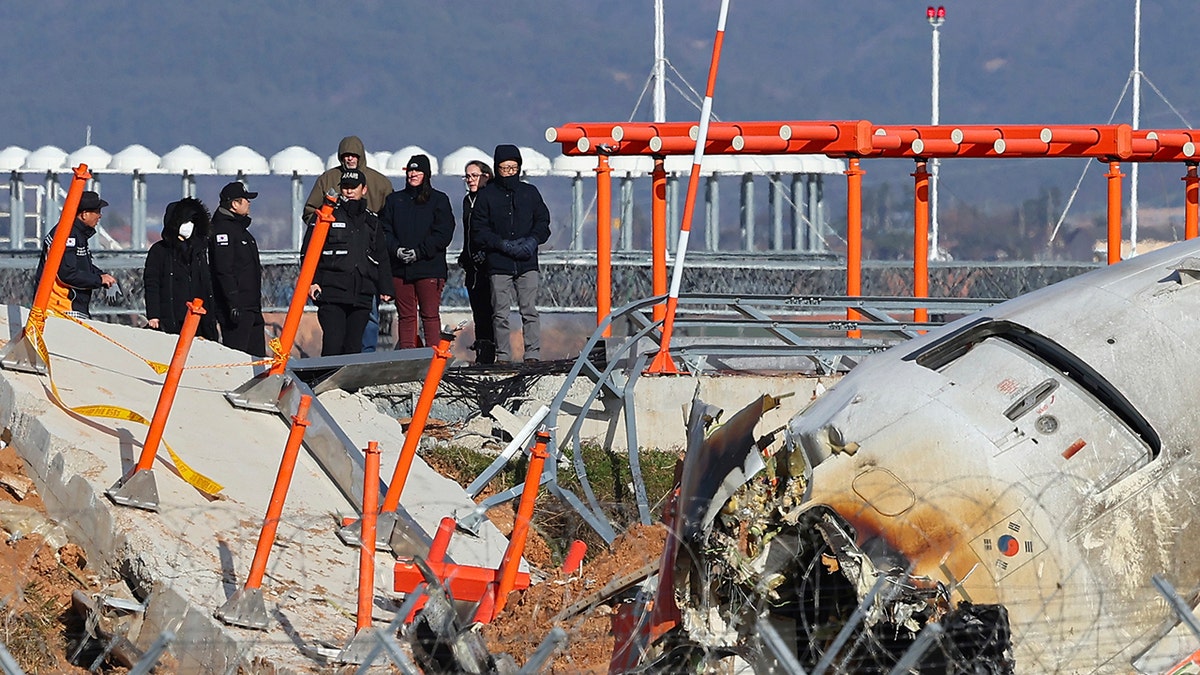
[(177, 270), (237, 270), (427, 228), (509, 210), (353, 268)]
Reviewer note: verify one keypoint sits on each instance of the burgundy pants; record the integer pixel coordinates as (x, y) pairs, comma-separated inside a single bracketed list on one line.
[(421, 298)]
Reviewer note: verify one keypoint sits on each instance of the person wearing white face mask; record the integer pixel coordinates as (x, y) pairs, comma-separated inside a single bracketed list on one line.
[(177, 270)]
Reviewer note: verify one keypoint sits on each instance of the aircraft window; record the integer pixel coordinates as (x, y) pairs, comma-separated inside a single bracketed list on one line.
[(940, 353)]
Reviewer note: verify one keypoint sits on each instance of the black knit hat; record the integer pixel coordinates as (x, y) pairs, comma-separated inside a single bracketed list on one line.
[(418, 163), (506, 153)]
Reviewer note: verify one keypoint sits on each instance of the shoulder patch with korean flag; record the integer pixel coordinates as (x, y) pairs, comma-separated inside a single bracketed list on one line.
[(223, 239), (70, 241)]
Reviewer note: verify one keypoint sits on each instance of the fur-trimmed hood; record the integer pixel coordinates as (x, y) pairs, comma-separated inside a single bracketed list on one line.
[(182, 211)]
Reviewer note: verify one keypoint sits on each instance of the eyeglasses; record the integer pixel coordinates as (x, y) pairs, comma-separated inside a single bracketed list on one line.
[(473, 176)]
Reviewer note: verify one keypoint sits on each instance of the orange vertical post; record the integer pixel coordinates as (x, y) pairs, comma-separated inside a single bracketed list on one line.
[(170, 385), (366, 552), (308, 267), (658, 232), (854, 174), (574, 558), (62, 232), (1191, 221), (516, 543), (1114, 212), (921, 239), (603, 240), (283, 481), (433, 378)]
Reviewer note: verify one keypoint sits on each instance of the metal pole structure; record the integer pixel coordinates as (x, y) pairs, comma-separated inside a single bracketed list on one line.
[(1137, 118), (662, 362), (660, 90), (799, 235), (1191, 208), (627, 212), (16, 210), (1114, 176), (936, 17), (712, 228), (921, 238), (748, 233), (775, 190), (603, 241), (577, 216), (658, 232), (854, 176), (297, 212)]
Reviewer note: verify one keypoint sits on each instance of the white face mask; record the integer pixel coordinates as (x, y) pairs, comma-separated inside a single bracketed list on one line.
[(185, 230)]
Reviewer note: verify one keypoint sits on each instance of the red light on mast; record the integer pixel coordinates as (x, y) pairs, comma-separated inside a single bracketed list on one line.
[(931, 12), (941, 12)]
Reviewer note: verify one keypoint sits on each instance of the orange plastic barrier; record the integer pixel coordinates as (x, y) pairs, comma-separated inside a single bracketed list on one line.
[(520, 533), (170, 385), (366, 551), (283, 480), (308, 267), (433, 378)]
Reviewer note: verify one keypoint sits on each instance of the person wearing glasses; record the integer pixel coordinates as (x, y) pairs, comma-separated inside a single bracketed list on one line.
[(473, 260), (510, 221), (419, 225)]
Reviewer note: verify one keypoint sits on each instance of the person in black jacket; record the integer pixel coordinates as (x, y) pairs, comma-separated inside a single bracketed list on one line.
[(353, 269), (419, 225), (177, 270), (473, 261), (237, 273), (77, 275), (510, 221)]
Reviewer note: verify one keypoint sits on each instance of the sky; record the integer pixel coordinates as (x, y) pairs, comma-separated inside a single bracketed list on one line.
[(443, 75)]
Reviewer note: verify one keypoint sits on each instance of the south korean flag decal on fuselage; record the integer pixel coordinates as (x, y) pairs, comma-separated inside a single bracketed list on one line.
[(222, 239)]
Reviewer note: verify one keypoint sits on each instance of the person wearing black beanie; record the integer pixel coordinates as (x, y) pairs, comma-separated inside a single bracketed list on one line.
[(419, 224), (510, 221)]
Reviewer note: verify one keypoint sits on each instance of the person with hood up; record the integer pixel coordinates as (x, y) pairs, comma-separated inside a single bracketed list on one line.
[(77, 275), (353, 269), (510, 221), (473, 261), (419, 224), (352, 155), (237, 273), (177, 270)]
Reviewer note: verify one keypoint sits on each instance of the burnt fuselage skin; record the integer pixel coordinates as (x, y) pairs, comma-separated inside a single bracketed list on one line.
[(1038, 456)]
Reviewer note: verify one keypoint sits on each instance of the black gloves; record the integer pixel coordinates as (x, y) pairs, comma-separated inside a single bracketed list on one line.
[(519, 249)]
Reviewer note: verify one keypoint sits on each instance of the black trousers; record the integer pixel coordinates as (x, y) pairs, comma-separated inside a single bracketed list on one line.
[(479, 294), (342, 327), (245, 333)]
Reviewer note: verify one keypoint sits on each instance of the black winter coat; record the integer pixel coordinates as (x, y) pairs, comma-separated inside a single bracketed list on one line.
[(353, 268), (237, 271), (77, 275), (509, 209), (177, 271), (466, 259), (426, 228)]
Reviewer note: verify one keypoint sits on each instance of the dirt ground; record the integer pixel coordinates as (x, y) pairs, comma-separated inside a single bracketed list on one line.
[(37, 624), (41, 630)]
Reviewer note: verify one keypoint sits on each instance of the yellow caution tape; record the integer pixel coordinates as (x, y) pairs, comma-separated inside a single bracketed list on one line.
[(190, 476)]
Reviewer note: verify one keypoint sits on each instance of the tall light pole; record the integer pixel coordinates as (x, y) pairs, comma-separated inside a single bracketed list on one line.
[(936, 16)]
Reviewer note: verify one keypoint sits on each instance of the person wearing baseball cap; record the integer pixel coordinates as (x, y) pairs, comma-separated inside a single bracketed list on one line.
[(352, 273), (237, 273), (77, 275)]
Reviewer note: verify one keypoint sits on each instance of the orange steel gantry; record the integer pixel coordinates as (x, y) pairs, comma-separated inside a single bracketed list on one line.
[(855, 140)]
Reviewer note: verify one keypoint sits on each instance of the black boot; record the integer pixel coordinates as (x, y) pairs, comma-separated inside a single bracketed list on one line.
[(485, 352)]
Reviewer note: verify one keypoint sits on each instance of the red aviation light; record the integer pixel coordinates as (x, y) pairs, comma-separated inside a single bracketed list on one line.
[(941, 13), (930, 13)]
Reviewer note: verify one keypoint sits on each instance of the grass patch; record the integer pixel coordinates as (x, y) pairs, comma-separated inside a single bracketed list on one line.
[(30, 629), (608, 474)]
